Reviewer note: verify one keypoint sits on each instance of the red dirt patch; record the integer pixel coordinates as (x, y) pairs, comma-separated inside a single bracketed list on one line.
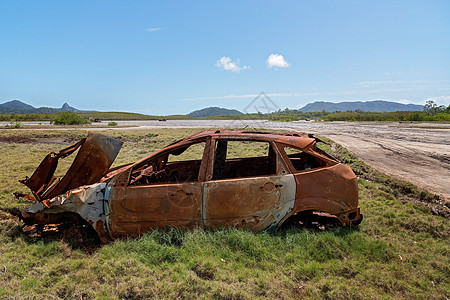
[(16, 139), (38, 140)]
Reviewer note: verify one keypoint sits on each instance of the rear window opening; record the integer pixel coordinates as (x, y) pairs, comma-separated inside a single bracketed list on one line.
[(302, 161), (236, 159)]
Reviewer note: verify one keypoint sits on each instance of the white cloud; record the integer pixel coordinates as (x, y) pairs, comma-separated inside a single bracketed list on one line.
[(404, 101), (153, 29), (277, 61), (228, 64), (366, 84), (314, 94), (246, 96), (387, 82), (249, 96)]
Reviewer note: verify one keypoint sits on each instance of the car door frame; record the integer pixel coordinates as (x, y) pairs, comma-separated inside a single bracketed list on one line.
[(275, 193), (121, 193)]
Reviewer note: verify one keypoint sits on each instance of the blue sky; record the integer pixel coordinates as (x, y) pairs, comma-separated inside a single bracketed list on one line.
[(172, 57)]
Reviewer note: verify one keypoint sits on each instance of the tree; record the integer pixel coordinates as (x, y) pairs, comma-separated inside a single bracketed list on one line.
[(431, 108), (69, 118)]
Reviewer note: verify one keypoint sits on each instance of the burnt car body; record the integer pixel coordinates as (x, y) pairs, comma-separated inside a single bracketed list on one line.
[(252, 180)]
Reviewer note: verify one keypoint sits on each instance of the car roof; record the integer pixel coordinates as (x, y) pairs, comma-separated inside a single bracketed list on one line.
[(296, 139)]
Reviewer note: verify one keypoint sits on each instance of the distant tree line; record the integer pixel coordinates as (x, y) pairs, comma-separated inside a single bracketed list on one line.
[(288, 115), (26, 117), (431, 112)]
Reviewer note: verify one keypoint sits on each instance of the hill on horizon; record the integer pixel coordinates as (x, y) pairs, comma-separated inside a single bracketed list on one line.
[(19, 107), (370, 106), (213, 111)]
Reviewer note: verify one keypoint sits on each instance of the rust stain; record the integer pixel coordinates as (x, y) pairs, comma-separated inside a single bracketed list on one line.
[(101, 231)]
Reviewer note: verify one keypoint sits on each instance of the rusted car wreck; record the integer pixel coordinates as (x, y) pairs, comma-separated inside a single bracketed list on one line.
[(252, 180)]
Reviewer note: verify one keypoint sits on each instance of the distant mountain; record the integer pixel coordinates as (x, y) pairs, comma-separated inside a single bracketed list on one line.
[(373, 106), (67, 107), (15, 106), (18, 107), (214, 111)]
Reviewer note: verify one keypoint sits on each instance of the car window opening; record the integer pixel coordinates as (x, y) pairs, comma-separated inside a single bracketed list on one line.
[(176, 166), (235, 159), (303, 161)]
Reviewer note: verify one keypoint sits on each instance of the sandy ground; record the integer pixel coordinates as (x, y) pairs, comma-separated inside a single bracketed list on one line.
[(414, 152)]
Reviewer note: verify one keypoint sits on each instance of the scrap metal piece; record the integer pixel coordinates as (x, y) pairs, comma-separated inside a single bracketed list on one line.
[(86, 201), (43, 176), (93, 160)]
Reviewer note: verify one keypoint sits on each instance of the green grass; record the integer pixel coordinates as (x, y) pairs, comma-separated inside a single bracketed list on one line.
[(400, 250)]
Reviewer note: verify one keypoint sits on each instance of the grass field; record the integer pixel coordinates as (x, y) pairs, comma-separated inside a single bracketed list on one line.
[(400, 250)]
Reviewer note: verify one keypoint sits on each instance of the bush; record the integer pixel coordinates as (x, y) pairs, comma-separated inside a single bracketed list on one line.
[(112, 123), (69, 118), (14, 124)]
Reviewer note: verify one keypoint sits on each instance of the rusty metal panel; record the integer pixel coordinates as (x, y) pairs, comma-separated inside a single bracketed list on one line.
[(43, 177), (302, 143), (251, 203), (331, 189), (93, 160), (136, 209)]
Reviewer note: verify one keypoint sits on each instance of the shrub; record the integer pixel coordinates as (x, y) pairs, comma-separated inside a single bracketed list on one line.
[(69, 118), (14, 124), (112, 123)]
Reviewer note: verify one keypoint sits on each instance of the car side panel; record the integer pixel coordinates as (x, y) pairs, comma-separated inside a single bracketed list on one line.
[(137, 209), (332, 189), (253, 203)]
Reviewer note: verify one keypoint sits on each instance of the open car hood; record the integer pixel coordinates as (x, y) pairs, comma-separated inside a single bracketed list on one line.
[(95, 157)]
